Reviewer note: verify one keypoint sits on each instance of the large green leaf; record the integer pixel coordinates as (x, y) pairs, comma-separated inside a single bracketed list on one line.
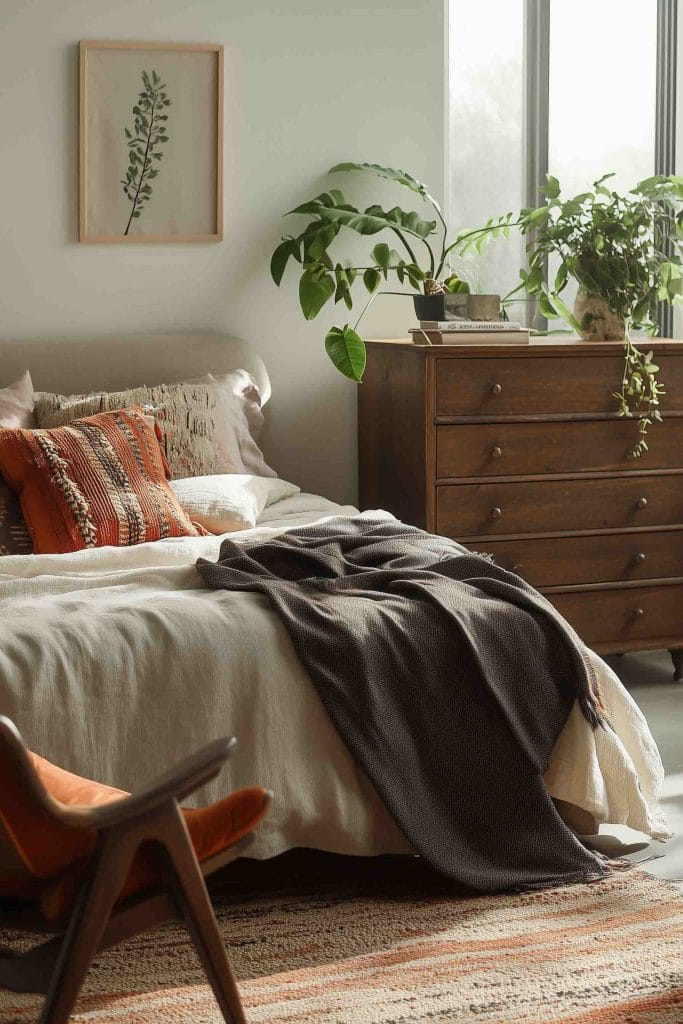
[(346, 349), (333, 199), (386, 258), (315, 288), (330, 208), (381, 254), (328, 199), (317, 238), (289, 247), (411, 223), (551, 188), (371, 279), (391, 174), (372, 221)]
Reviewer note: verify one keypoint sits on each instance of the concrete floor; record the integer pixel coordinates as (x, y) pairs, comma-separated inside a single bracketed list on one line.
[(648, 678)]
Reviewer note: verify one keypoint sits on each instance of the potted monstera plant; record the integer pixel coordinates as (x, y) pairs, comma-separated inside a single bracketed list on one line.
[(415, 251), (624, 252)]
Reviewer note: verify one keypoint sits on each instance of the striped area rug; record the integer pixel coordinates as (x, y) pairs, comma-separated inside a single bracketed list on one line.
[(386, 950)]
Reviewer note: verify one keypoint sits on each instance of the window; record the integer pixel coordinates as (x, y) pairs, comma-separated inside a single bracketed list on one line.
[(486, 137), (568, 87), (602, 79), (601, 91)]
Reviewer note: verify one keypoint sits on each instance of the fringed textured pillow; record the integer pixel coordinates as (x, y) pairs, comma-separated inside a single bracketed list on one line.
[(98, 481)]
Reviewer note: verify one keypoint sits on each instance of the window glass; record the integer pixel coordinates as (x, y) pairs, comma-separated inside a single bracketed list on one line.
[(486, 113), (602, 95), (602, 91)]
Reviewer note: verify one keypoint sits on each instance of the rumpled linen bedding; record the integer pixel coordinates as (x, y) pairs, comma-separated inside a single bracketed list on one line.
[(115, 663)]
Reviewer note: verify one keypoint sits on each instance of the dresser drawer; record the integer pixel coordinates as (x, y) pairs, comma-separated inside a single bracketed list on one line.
[(564, 561), (512, 449), (550, 506), (522, 386), (634, 613)]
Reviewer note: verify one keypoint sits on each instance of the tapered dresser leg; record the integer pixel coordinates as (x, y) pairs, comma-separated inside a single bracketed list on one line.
[(677, 658)]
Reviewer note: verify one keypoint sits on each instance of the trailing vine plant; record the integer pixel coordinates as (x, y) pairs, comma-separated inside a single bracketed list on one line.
[(144, 142), (623, 249)]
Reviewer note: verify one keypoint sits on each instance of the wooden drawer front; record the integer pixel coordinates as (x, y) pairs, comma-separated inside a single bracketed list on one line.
[(510, 449), (634, 613), (573, 560), (508, 386), (549, 506)]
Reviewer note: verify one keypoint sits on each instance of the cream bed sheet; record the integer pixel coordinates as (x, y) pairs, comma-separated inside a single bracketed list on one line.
[(116, 662)]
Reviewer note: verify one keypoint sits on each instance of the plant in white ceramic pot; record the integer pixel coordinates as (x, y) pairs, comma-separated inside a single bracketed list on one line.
[(418, 255), (624, 252)]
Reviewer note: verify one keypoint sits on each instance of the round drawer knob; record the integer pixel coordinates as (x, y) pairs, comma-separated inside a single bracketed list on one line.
[(641, 503), (496, 452), (496, 389), (496, 513), (638, 613), (639, 558)]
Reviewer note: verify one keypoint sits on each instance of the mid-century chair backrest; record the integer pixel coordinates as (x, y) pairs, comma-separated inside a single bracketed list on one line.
[(35, 840), (51, 822)]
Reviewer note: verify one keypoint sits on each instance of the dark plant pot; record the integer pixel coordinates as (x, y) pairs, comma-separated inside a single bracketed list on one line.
[(429, 307)]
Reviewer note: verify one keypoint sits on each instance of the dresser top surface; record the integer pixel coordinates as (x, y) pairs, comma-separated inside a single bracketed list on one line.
[(536, 347)]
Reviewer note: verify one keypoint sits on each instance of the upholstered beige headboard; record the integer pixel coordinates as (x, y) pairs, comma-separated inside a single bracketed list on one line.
[(114, 362)]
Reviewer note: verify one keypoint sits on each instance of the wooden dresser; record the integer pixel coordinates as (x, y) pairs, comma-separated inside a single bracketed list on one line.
[(517, 451)]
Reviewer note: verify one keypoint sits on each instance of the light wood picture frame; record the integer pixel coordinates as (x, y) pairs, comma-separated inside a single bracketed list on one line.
[(150, 142)]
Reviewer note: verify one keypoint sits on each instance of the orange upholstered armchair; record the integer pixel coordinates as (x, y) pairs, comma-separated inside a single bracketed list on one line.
[(95, 865)]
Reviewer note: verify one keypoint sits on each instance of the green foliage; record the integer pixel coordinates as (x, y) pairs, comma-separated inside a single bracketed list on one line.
[(640, 393), (391, 174), (626, 249), (417, 256), (346, 349), (455, 286), (144, 142)]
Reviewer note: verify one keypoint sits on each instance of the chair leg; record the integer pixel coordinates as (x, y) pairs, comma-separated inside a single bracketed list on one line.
[(86, 927), (195, 904)]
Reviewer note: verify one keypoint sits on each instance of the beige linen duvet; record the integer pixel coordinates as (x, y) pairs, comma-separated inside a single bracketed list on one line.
[(115, 663)]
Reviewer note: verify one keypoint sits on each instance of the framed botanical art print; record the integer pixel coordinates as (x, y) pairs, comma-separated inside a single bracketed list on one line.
[(151, 142)]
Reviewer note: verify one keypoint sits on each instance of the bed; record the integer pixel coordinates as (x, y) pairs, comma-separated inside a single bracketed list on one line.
[(116, 662)]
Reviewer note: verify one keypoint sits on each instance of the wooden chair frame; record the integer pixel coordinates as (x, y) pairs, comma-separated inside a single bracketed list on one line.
[(57, 966)]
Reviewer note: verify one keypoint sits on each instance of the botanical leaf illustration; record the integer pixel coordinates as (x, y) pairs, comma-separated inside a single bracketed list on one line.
[(144, 142)]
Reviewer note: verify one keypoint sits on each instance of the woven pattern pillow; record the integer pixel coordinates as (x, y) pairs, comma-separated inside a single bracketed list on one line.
[(195, 437), (14, 537), (99, 481)]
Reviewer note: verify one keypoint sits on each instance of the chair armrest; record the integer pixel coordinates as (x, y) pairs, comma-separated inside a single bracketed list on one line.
[(177, 783)]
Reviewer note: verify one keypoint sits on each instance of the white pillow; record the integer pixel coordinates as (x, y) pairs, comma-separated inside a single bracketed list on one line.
[(17, 403), (229, 502)]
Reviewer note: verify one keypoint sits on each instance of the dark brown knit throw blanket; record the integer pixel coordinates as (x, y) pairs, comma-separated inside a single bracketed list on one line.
[(449, 680)]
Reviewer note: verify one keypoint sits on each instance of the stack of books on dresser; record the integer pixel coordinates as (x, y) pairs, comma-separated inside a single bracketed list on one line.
[(470, 332)]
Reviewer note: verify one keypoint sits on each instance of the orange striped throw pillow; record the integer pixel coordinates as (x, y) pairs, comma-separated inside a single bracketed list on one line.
[(99, 481)]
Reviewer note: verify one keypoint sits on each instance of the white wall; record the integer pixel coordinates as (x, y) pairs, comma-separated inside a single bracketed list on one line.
[(678, 310), (308, 83)]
